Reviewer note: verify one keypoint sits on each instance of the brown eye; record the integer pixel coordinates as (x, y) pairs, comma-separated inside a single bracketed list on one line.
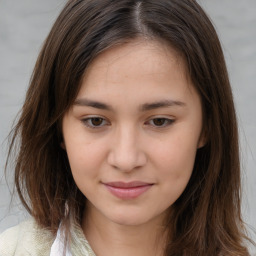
[(96, 121), (159, 121)]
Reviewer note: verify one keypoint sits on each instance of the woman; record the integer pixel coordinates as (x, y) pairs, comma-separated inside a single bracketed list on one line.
[(129, 140)]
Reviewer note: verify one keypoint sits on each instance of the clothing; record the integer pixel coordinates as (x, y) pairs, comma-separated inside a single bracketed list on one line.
[(27, 239), (58, 246)]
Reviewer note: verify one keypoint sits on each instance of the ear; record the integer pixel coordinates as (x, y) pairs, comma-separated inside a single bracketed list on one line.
[(202, 139), (62, 144)]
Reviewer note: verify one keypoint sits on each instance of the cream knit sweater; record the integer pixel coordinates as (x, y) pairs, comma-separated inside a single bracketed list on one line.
[(27, 239)]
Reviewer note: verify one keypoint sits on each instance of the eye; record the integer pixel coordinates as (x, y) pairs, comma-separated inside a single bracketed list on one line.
[(94, 122), (160, 122)]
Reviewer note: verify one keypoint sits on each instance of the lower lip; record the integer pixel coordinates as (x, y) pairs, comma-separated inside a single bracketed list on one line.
[(128, 193)]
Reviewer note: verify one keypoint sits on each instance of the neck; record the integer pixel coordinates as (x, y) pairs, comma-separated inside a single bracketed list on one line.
[(108, 238)]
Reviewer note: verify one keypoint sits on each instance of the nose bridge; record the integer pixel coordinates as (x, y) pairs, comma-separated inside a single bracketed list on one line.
[(126, 152)]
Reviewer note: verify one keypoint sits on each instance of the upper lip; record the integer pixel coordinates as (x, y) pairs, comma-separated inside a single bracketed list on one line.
[(132, 184)]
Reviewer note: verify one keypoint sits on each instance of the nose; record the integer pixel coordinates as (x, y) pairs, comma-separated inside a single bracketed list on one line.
[(126, 152)]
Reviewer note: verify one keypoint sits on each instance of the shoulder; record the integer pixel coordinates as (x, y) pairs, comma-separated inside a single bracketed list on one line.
[(26, 239)]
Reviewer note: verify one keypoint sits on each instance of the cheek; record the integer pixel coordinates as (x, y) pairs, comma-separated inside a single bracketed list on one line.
[(176, 169), (176, 160), (84, 159)]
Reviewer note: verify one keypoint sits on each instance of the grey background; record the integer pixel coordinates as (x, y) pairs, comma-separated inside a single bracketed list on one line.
[(24, 24)]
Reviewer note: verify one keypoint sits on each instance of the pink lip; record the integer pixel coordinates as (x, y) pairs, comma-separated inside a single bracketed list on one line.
[(130, 190)]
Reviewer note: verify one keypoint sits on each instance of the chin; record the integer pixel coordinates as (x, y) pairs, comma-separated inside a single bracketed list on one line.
[(128, 221), (127, 218)]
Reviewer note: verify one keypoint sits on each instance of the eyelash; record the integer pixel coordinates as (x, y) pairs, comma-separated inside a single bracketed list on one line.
[(167, 122), (88, 122)]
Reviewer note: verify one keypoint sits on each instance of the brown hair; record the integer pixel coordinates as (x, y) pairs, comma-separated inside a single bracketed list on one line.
[(206, 219)]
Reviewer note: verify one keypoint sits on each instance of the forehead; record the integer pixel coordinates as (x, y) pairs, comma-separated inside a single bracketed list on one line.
[(151, 53), (140, 67)]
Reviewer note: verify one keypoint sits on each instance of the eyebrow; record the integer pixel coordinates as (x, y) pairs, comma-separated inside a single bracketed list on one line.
[(93, 104), (161, 104), (143, 107)]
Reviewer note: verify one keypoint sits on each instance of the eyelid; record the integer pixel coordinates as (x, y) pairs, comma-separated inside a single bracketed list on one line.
[(87, 119), (168, 121)]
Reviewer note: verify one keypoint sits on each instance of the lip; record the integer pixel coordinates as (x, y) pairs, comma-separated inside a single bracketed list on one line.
[(127, 190)]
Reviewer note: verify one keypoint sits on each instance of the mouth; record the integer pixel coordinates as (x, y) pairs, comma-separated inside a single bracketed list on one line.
[(127, 190)]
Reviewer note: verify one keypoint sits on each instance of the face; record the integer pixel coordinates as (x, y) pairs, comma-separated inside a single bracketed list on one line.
[(133, 131)]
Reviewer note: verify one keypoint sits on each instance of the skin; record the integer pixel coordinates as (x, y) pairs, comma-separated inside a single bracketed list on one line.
[(133, 139)]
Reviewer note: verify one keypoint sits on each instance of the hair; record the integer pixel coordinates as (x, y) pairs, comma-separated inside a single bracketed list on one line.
[(206, 219)]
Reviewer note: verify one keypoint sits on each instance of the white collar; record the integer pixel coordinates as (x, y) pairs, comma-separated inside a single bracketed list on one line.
[(57, 248)]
